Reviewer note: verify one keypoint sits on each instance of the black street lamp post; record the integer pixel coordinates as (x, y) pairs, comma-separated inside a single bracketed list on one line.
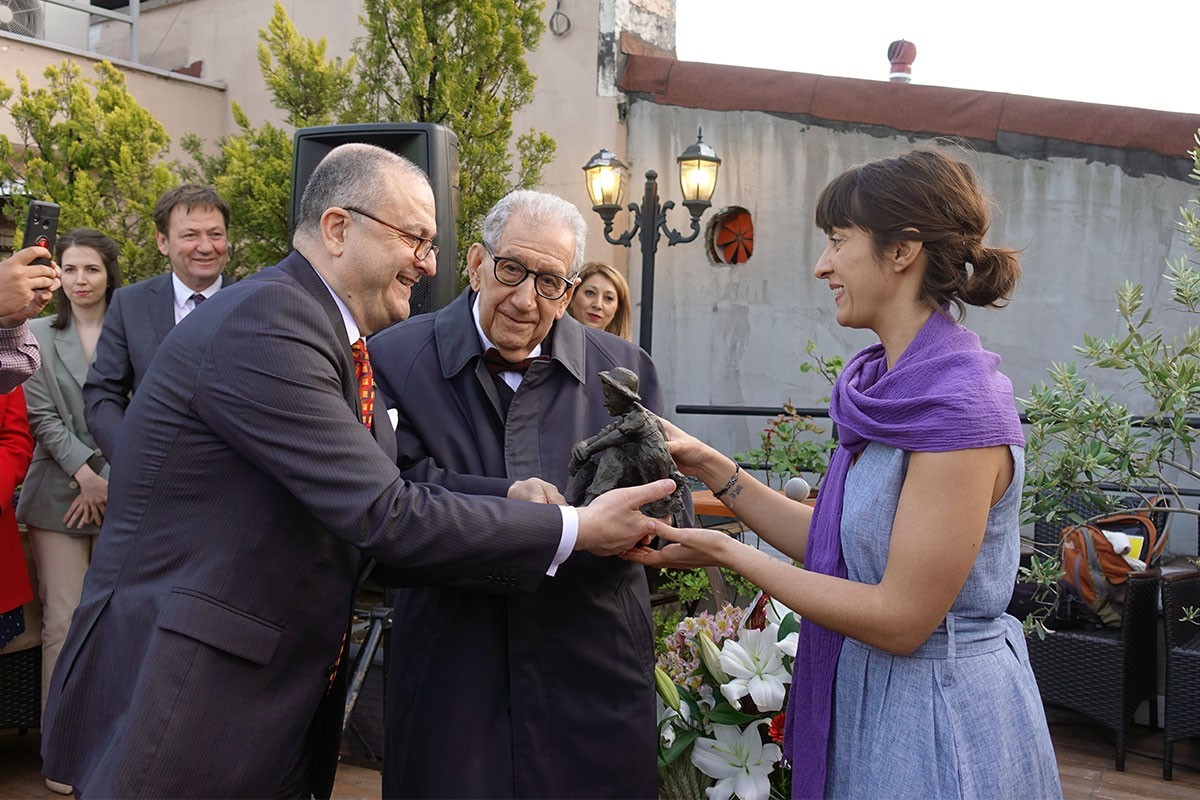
[(606, 178)]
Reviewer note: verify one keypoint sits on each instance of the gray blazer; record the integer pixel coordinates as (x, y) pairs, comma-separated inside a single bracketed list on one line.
[(54, 396)]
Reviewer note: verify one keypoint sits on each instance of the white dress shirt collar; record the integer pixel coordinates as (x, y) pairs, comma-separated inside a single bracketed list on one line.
[(513, 379), (352, 331), (183, 295)]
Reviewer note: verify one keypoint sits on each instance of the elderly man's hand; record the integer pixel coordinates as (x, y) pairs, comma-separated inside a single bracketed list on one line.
[(536, 490), (25, 287)]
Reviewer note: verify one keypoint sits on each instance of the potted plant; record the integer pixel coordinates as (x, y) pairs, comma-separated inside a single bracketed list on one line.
[(1084, 444)]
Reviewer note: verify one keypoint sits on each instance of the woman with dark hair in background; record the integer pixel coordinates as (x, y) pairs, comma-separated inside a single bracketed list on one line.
[(910, 681), (601, 300), (63, 499)]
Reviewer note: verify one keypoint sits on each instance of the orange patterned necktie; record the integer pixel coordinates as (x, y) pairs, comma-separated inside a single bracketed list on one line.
[(366, 404), (366, 381)]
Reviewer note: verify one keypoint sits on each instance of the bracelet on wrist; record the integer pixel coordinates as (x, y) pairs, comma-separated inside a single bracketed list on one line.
[(737, 471)]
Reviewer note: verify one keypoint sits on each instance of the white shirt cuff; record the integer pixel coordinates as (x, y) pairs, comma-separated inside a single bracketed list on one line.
[(570, 533)]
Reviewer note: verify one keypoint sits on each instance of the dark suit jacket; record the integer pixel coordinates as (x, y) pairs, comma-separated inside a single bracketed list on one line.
[(242, 492), (139, 317), (542, 695)]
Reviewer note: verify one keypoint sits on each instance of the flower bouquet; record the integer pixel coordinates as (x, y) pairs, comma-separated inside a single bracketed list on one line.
[(722, 687)]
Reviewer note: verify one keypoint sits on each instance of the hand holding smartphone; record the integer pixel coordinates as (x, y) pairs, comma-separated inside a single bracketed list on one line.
[(41, 227), (27, 284)]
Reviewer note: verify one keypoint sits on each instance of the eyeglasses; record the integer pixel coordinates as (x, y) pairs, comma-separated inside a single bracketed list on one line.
[(511, 272), (422, 247)]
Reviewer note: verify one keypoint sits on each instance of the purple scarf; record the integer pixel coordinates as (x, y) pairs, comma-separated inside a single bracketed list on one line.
[(944, 393)]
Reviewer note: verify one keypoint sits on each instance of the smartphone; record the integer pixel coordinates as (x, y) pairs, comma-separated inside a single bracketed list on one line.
[(41, 227)]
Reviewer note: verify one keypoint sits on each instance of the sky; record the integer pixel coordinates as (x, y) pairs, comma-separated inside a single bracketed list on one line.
[(1139, 54)]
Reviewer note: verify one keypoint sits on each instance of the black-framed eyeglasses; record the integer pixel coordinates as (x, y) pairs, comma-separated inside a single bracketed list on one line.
[(422, 247), (511, 272)]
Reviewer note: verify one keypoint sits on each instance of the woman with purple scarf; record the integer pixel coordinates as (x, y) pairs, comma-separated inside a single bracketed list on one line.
[(910, 680)]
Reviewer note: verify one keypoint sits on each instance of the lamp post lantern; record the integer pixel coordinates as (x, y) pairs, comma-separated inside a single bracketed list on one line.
[(606, 177)]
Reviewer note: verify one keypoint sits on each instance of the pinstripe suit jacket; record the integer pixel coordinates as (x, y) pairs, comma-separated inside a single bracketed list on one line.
[(243, 491)]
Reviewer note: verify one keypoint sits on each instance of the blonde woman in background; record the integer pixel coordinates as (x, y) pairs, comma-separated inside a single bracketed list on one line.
[(601, 300)]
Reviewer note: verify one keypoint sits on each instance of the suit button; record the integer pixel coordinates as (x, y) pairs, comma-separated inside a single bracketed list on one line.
[(73, 484)]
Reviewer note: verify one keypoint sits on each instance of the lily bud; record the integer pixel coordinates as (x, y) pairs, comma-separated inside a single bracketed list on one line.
[(666, 689), (711, 657)]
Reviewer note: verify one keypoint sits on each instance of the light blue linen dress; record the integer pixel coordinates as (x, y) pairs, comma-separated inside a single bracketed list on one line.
[(961, 717)]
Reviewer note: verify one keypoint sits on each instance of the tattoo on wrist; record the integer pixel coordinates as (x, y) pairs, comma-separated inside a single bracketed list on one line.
[(733, 493)]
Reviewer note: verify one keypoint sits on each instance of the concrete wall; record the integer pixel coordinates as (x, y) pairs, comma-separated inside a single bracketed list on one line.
[(180, 103), (735, 335)]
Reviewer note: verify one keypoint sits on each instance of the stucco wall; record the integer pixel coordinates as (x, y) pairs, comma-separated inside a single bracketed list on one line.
[(735, 335), (180, 103)]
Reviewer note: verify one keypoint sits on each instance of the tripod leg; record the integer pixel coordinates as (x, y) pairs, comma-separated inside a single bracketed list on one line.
[(365, 657)]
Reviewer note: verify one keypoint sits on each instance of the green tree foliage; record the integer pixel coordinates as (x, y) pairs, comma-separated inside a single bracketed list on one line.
[(252, 168), (86, 144), (307, 87), (252, 171), (458, 63)]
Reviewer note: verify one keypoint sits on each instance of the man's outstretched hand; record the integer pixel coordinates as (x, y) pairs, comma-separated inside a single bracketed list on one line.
[(613, 522)]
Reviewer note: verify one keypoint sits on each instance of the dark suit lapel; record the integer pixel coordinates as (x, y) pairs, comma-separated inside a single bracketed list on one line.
[(162, 306), (458, 347), (298, 268), (70, 353)]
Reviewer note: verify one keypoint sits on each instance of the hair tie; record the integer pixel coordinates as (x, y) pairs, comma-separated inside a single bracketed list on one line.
[(970, 268)]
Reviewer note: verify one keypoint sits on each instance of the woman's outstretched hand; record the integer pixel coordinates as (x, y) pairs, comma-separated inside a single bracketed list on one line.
[(692, 456), (687, 548)]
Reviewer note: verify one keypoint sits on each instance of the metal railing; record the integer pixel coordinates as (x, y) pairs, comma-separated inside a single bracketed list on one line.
[(130, 18)]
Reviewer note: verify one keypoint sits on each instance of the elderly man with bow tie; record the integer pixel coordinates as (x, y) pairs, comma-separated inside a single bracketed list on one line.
[(491, 694)]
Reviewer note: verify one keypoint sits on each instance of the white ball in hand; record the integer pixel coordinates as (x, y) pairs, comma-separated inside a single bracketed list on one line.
[(797, 489)]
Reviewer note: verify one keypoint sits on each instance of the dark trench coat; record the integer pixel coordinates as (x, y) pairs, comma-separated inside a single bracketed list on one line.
[(548, 694)]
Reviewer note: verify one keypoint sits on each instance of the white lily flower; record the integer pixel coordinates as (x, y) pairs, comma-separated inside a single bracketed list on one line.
[(756, 669), (667, 713), (738, 760), (788, 644), (664, 713)]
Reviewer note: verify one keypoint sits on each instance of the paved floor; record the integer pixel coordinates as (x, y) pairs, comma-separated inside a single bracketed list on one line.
[(1085, 761)]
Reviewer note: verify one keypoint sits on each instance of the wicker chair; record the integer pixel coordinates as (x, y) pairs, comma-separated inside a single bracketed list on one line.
[(21, 689), (1105, 674), (1181, 704)]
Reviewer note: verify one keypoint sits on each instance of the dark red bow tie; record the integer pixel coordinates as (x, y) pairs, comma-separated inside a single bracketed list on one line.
[(497, 363)]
